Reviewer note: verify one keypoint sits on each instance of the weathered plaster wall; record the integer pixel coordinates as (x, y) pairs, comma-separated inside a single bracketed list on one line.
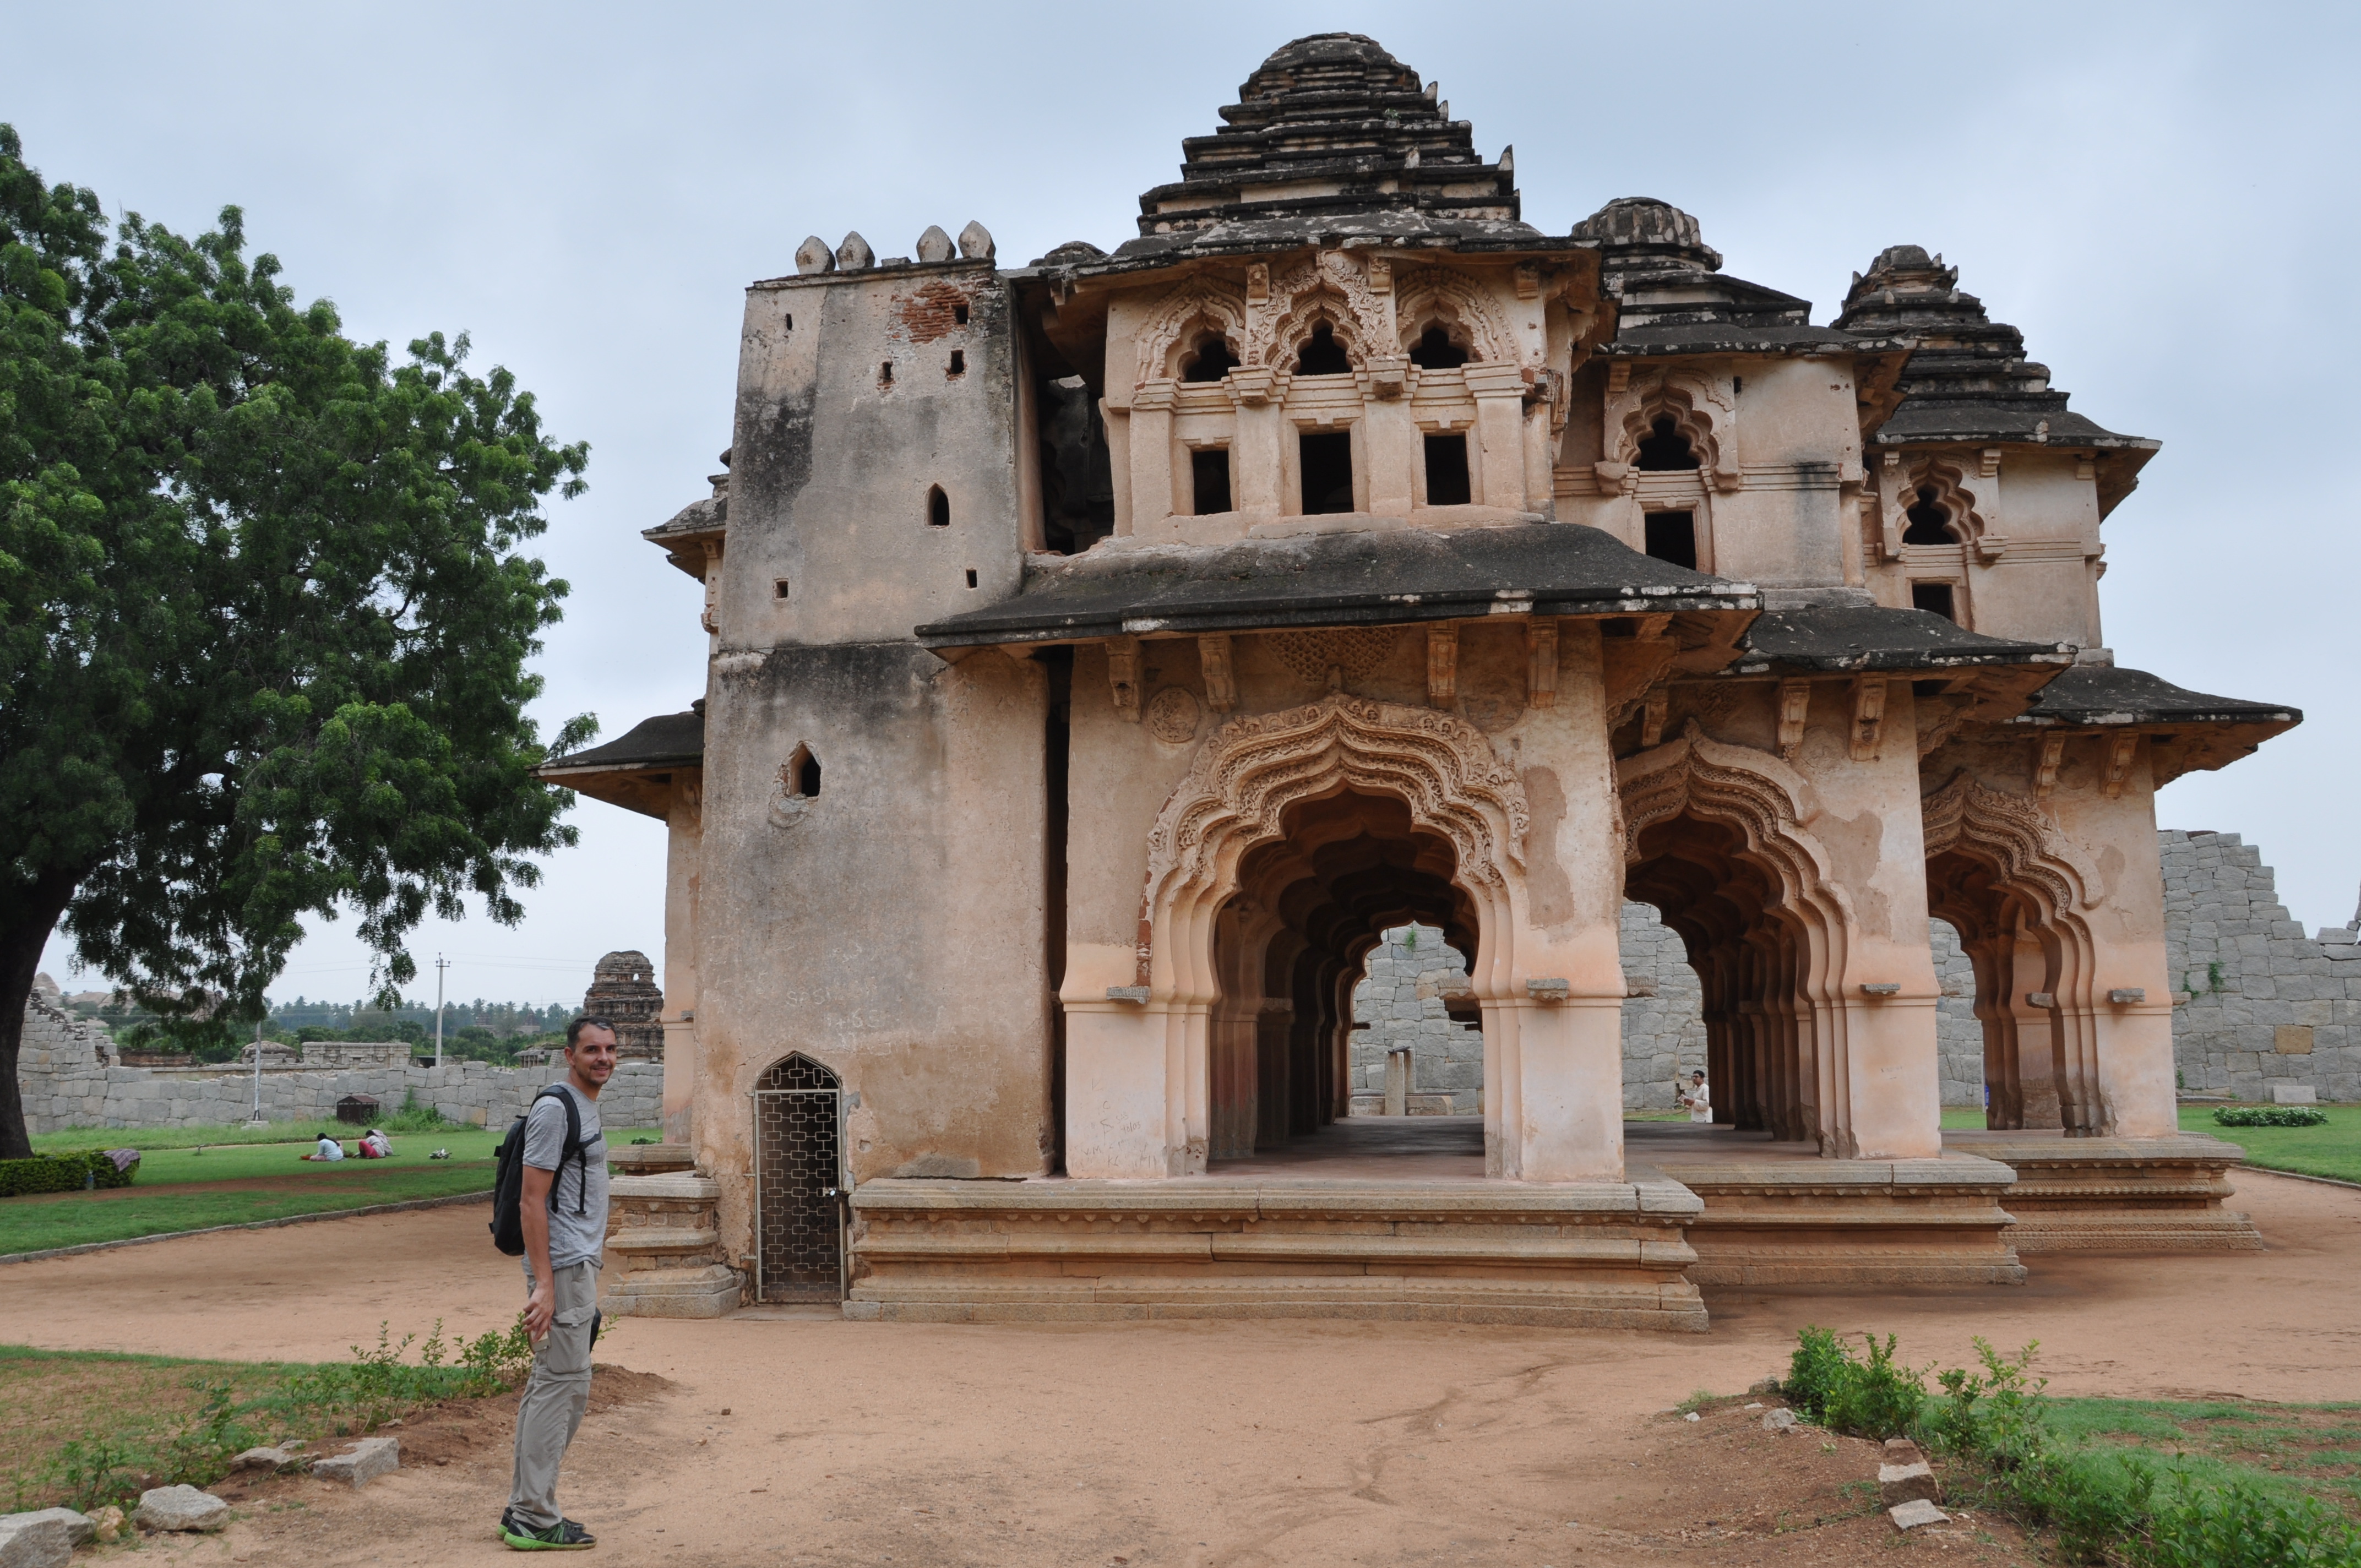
[(2266, 1003)]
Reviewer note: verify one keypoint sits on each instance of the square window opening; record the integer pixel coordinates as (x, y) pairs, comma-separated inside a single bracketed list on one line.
[(1209, 479), (1935, 599), (1326, 459), (779, 587), (1672, 536), (1446, 470)]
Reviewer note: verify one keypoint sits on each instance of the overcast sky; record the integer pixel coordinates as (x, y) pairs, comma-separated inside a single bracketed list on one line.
[(2161, 196)]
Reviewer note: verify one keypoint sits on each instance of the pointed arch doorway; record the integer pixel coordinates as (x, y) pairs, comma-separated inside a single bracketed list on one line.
[(799, 1182)]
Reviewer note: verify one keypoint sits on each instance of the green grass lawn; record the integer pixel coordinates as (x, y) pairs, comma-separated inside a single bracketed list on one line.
[(2283, 1449), (2331, 1150), (146, 1139)]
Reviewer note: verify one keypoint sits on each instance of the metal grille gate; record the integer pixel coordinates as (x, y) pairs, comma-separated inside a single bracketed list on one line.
[(798, 1183)]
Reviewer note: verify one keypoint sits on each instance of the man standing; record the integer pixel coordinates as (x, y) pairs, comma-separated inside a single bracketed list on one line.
[(564, 1213), (1698, 1099)]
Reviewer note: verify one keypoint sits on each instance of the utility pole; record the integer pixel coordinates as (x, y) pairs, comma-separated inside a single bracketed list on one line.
[(439, 966), (258, 1073)]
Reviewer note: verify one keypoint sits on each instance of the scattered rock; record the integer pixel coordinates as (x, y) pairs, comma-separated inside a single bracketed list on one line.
[(45, 1539), (1691, 1416), (1754, 1407), (363, 1463), (1768, 1385), (180, 1507), (1902, 1451), (1908, 1484), (1911, 1515), (266, 1458), (108, 1522), (1782, 1421)]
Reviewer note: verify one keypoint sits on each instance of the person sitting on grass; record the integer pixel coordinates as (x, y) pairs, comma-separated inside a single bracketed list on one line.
[(329, 1149), (375, 1145)]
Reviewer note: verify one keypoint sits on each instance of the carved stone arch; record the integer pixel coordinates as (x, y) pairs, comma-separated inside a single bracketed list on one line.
[(1765, 798), (1437, 293), (2015, 835), (1253, 768), (1176, 322), (1972, 502), (1703, 409), (1314, 287)]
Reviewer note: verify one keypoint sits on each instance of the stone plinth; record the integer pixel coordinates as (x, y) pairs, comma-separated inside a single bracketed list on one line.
[(2119, 1194), (663, 1249), (650, 1159), (1574, 1256), (1799, 1219)]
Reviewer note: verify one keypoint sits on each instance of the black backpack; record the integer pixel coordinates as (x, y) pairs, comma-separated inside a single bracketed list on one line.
[(507, 1178)]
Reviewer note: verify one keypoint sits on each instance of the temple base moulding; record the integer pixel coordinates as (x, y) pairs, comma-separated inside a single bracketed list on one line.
[(2118, 1194), (1773, 1220)]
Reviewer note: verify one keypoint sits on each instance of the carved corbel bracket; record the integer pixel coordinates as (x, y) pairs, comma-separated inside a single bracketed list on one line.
[(1122, 675), (1892, 492), (2121, 750), (1251, 389), (1988, 463), (1991, 546), (1213, 660), (1442, 664), (2045, 766), (1388, 377), (1541, 675), (1652, 712), (1616, 478), (1259, 282), (1868, 716), (1795, 707)]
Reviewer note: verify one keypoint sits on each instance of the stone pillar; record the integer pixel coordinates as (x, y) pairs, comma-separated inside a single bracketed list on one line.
[(1151, 459), (1394, 449), (1257, 460), (684, 882), (1500, 391)]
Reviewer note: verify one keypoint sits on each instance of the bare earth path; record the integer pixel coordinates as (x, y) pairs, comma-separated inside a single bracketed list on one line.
[(805, 1439)]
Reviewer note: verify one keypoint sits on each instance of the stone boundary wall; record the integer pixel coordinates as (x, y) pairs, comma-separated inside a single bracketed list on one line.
[(2259, 1001), (1399, 1002), (64, 1073)]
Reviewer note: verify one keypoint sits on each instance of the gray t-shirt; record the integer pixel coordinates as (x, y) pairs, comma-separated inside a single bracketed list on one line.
[(577, 1200)]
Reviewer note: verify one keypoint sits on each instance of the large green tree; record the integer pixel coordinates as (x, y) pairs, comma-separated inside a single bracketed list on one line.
[(263, 619)]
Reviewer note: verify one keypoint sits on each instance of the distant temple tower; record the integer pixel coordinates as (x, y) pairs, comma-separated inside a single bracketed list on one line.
[(623, 990)]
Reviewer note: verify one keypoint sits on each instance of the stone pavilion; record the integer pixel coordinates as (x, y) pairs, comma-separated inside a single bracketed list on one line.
[(1106, 650)]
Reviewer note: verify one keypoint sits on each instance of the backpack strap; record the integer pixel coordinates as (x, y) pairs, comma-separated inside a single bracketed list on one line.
[(573, 1149)]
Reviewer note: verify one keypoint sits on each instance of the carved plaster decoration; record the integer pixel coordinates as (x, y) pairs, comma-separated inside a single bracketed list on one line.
[(1868, 716), (1309, 655), (1767, 800), (1703, 407), (1221, 682), (1652, 712), (2121, 750), (1330, 286), (1940, 719), (1122, 675), (1439, 294), (1201, 305), (1255, 766), (1795, 708), (1442, 664), (1172, 716), (1259, 282), (2045, 770), (1541, 671), (2014, 835)]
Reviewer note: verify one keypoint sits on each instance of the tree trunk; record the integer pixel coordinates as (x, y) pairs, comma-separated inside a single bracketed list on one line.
[(21, 941)]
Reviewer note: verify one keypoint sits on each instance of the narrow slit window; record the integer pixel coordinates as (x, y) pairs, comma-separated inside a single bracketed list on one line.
[(970, 576), (1446, 470), (1326, 459), (959, 362), (885, 374), (791, 321), (959, 314), (1208, 477), (1672, 536), (1935, 599), (939, 507), (1930, 521), (802, 774)]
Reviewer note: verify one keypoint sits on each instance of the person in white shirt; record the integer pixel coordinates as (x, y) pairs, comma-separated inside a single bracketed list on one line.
[(1698, 1099), (329, 1149)]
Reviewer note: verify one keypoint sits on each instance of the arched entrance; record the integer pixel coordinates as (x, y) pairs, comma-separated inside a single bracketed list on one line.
[(798, 1182)]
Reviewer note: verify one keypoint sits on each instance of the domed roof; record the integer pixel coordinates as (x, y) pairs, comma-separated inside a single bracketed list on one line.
[(1331, 135)]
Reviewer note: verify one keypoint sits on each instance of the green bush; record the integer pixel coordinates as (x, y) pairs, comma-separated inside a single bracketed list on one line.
[(62, 1173), (2270, 1117), (1876, 1397), (1995, 1422)]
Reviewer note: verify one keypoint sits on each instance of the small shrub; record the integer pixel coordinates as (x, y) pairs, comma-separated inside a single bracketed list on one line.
[(1874, 1399), (62, 1173), (2269, 1116)]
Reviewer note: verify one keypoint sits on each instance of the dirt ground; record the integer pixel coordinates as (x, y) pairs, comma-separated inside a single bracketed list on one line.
[(803, 1439)]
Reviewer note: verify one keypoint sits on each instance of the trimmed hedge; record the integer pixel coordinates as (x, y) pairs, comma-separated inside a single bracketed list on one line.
[(2269, 1116), (62, 1173)]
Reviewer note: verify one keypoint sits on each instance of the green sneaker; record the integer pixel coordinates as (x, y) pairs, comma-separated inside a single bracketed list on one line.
[(564, 1536)]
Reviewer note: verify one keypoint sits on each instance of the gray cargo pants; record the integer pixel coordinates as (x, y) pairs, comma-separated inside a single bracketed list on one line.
[(554, 1395)]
